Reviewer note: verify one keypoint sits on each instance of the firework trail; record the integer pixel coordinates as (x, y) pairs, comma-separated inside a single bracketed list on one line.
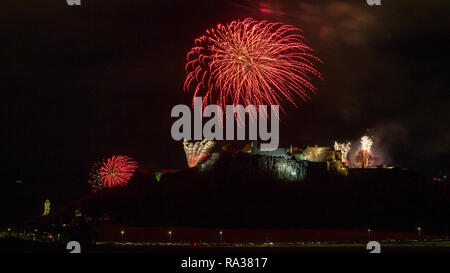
[(366, 145), (196, 151), (344, 148), (251, 63), (112, 172)]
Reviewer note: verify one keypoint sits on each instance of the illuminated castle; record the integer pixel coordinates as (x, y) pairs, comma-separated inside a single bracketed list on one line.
[(291, 164), (319, 156)]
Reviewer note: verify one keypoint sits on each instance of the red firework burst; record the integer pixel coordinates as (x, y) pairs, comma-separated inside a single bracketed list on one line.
[(112, 172), (251, 63)]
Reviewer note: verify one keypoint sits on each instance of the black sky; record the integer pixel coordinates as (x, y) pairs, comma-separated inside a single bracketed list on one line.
[(83, 83)]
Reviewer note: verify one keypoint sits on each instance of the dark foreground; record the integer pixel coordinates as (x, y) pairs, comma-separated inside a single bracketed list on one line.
[(13, 245)]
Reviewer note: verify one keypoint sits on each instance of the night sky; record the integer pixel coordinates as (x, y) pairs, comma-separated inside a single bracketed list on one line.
[(83, 83)]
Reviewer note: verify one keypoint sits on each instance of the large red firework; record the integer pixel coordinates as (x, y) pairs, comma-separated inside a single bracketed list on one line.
[(251, 63), (112, 172)]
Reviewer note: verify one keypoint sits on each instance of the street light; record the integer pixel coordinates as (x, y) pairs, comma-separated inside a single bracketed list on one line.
[(419, 232), (170, 235), (122, 232), (220, 234), (369, 231)]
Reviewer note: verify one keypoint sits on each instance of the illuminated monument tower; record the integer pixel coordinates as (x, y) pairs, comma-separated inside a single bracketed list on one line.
[(366, 145), (46, 208)]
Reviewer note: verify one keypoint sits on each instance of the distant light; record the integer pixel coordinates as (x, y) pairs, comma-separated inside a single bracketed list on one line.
[(158, 176), (170, 232), (419, 228), (122, 232)]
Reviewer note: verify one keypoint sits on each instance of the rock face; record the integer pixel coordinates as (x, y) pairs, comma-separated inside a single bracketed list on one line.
[(280, 167), (276, 167)]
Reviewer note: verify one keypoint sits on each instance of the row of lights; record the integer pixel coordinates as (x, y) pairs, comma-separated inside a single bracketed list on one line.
[(419, 233), (33, 234), (122, 233)]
